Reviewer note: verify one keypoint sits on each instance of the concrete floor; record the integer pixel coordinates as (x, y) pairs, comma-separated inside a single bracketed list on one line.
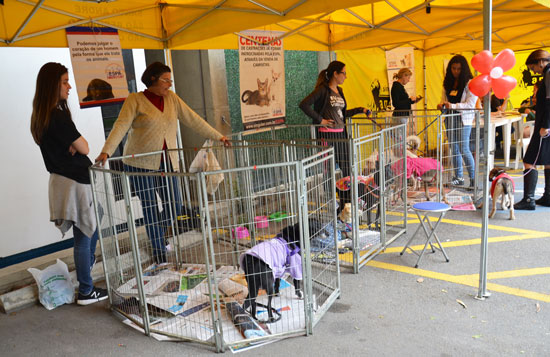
[(388, 309)]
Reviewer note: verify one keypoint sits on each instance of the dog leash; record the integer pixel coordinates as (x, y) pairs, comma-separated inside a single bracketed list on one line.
[(538, 153)]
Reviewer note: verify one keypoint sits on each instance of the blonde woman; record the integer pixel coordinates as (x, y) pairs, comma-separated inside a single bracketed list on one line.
[(400, 98)]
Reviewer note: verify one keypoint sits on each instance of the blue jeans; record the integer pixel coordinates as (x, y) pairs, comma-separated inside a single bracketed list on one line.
[(459, 139), (84, 258), (147, 188)]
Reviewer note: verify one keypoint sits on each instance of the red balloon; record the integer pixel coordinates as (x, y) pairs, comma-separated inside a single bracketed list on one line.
[(480, 85), (503, 85), (505, 60), (483, 61)]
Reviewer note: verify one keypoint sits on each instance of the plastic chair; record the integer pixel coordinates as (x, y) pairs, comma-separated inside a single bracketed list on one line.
[(424, 209)]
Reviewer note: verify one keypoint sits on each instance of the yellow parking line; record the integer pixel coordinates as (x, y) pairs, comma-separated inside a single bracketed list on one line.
[(512, 273), (474, 241), (470, 280)]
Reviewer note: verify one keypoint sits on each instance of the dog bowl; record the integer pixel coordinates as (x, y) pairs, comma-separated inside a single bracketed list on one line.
[(278, 216), (261, 222), (240, 232)]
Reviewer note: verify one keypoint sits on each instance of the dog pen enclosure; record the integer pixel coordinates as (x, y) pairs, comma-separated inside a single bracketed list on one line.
[(368, 224), (439, 136), (180, 278)]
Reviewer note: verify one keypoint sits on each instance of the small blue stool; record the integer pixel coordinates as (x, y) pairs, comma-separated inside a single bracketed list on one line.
[(425, 208)]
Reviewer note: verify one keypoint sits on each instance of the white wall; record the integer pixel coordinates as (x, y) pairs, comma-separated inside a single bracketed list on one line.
[(24, 212)]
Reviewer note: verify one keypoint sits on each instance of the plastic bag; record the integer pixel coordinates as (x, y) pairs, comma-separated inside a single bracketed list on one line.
[(206, 161), (54, 285), (214, 180)]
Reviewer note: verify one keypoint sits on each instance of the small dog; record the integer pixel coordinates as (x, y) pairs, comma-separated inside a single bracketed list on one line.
[(413, 144), (345, 215), (266, 263), (502, 187)]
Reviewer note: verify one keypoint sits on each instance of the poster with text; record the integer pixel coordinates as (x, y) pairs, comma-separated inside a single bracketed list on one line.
[(262, 79), (98, 66), (401, 57)]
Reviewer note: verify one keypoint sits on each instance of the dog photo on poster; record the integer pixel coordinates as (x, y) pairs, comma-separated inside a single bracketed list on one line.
[(262, 79), (98, 67)]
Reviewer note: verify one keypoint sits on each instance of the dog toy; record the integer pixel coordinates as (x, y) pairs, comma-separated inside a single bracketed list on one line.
[(261, 222), (278, 216), (240, 232)]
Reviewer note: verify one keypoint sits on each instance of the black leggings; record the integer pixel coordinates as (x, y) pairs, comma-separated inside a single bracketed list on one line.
[(342, 157)]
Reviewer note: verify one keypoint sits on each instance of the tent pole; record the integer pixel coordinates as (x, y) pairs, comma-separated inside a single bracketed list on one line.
[(482, 292), (425, 86), (24, 24)]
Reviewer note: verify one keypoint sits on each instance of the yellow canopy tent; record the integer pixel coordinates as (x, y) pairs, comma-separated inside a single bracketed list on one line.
[(149, 24), (434, 26)]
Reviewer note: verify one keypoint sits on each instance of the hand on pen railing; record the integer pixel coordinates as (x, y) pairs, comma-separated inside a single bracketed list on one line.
[(225, 141), (101, 159)]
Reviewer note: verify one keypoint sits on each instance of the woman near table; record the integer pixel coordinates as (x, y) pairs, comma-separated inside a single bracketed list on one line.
[(400, 98), (330, 111), (457, 95), (538, 151), (150, 119)]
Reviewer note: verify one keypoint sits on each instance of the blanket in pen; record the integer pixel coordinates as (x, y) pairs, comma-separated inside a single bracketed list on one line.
[(417, 166)]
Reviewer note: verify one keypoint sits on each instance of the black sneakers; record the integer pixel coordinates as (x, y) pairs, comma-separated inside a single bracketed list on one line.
[(96, 295), (457, 181)]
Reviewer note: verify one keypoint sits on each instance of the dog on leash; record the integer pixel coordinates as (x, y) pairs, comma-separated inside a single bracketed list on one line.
[(266, 263), (502, 187)]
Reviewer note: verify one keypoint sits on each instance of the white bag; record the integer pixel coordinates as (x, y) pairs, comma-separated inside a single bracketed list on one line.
[(54, 285), (214, 180), (206, 161)]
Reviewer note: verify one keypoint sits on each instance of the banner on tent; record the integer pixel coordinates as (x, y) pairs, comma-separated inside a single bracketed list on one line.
[(401, 57), (98, 66), (262, 79)]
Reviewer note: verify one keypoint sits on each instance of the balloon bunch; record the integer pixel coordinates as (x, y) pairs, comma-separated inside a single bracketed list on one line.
[(492, 73)]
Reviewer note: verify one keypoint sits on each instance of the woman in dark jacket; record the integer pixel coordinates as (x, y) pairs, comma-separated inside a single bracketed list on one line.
[(538, 151), (400, 98), (330, 111)]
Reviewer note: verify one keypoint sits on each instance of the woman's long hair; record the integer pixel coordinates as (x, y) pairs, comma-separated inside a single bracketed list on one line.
[(326, 74), (463, 78), (46, 98)]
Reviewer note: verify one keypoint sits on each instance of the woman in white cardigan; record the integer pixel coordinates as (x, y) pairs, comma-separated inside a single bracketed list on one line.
[(457, 95), (150, 119)]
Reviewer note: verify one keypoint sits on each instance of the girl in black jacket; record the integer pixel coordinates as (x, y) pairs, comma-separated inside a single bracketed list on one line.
[(330, 111)]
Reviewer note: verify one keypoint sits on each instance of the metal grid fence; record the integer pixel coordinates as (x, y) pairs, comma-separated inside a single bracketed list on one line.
[(363, 229), (173, 247), (441, 137)]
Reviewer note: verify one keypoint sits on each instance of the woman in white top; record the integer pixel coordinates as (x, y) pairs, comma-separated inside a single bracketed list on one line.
[(457, 95)]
